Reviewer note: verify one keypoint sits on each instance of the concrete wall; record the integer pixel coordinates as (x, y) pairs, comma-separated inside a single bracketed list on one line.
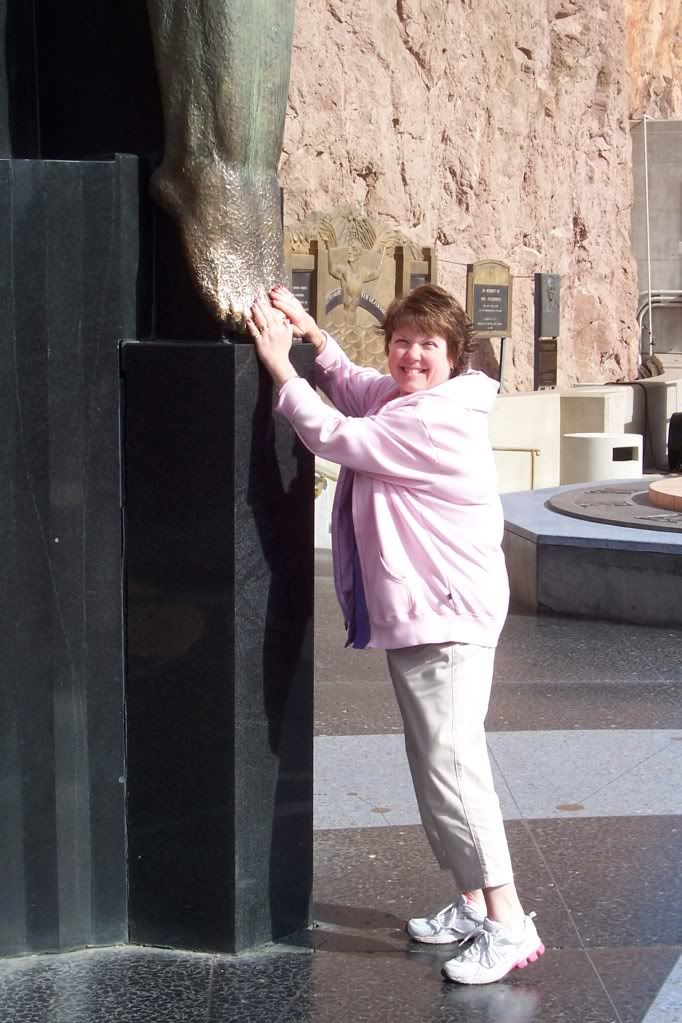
[(526, 421), (664, 147), (541, 420)]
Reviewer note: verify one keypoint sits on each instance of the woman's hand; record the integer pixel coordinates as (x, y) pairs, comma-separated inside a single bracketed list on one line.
[(303, 323), (272, 335)]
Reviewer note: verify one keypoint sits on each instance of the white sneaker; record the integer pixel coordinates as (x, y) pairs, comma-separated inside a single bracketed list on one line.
[(494, 952), (454, 923)]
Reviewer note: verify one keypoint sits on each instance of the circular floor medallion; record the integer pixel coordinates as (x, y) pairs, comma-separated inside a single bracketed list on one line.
[(622, 503)]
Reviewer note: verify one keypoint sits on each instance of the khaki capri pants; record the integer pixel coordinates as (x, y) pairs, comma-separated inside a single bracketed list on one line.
[(443, 694)]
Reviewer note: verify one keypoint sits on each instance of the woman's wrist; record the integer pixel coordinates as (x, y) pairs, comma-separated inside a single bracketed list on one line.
[(281, 374), (316, 338)]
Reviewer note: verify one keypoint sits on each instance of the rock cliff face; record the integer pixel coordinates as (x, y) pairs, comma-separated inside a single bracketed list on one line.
[(654, 53), (495, 128)]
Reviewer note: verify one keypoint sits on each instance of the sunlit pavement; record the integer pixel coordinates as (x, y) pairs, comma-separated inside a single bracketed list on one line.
[(585, 733)]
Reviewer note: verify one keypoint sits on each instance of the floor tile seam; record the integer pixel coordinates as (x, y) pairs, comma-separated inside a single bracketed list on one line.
[(501, 772), (503, 734), (564, 903), (353, 735), (603, 984), (368, 802), (543, 860), (349, 750), (544, 727), (634, 767), (324, 941), (655, 679), (659, 680), (664, 947), (577, 816), (623, 732), (496, 731), (506, 731)]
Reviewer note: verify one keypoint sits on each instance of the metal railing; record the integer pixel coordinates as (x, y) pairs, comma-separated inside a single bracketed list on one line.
[(324, 471), (533, 452), (647, 300)]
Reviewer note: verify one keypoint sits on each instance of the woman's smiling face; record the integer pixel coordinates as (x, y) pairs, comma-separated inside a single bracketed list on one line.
[(417, 361)]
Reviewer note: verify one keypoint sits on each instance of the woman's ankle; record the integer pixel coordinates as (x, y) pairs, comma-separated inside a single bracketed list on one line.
[(503, 906), (476, 898)]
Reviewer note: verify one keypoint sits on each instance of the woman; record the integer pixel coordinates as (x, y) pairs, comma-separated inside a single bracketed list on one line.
[(419, 572)]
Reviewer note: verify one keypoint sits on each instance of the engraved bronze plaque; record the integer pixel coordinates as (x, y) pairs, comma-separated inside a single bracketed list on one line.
[(547, 349), (489, 298), (546, 330), (547, 305), (491, 307)]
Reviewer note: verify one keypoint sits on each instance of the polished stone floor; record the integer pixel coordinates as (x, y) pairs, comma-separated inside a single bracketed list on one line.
[(586, 739)]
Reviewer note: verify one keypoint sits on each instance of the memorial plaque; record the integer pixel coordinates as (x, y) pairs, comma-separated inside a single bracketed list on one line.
[(547, 349), (489, 305), (417, 279), (547, 305), (546, 331), (302, 287)]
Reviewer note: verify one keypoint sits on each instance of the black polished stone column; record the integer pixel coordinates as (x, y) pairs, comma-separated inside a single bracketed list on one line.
[(19, 126), (214, 837), (219, 553), (68, 292)]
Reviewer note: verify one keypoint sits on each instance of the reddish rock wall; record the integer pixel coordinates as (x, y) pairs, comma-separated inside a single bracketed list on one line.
[(654, 54), (498, 129)]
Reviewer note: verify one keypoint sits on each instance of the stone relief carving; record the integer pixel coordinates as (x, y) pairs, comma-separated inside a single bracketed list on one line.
[(357, 275), (223, 68), (353, 267)]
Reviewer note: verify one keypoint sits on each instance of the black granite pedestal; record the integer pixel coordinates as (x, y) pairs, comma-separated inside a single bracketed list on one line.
[(69, 289), (219, 554), (194, 829)]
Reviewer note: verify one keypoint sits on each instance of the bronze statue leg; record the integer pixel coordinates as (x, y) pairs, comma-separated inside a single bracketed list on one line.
[(223, 69)]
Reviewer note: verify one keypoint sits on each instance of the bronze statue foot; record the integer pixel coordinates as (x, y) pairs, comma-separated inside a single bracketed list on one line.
[(230, 221)]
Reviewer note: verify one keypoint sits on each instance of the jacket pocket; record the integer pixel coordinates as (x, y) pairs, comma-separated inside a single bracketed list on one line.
[(388, 594), (391, 573)]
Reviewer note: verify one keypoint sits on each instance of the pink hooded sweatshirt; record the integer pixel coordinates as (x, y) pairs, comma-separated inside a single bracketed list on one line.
[(426, 515)]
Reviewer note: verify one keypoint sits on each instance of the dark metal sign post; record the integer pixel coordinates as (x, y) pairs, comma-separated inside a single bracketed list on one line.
[(547, 329)]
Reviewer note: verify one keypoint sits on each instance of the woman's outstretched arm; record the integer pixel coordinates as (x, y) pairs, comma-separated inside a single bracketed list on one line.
[(395, 446), (352, 389)]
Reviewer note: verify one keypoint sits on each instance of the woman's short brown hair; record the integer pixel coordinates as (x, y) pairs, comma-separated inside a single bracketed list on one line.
[(434, 312)]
